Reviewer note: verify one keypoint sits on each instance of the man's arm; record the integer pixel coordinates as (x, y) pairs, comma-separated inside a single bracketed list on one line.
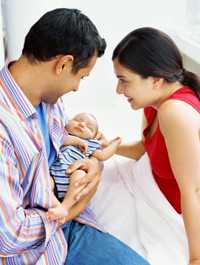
[(93, 169), (20, 229)]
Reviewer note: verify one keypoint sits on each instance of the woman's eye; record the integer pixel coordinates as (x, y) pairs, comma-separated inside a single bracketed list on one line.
[(123, 81)]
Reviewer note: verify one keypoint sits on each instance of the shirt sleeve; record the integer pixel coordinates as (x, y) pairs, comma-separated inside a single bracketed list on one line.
[(64, 117), (21, 228)]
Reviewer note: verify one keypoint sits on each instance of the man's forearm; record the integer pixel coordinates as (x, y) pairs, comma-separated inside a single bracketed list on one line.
[(26, 230)]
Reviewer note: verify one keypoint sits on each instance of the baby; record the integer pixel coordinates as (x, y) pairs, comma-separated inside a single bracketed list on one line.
[(80, 143)]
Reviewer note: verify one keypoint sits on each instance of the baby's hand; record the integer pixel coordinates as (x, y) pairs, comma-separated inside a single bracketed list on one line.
[(102, 139), (82, 146)]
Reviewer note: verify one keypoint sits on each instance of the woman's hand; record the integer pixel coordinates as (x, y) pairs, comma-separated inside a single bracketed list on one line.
[(92, 168)]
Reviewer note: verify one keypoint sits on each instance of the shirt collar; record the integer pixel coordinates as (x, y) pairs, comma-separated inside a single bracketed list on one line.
[(22, 102)]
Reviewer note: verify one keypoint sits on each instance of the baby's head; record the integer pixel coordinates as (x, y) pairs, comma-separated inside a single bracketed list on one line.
[(83, 125)]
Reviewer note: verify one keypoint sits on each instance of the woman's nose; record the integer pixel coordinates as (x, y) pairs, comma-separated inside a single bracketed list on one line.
[(119, 89)]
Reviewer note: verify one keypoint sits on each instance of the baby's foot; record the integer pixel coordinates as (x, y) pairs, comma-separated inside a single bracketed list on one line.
[(57, 213)]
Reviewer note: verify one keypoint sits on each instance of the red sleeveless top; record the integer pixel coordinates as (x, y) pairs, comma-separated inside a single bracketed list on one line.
[(156, 149)]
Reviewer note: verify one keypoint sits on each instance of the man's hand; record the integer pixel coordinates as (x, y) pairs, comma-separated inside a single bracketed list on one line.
[(90, 181)]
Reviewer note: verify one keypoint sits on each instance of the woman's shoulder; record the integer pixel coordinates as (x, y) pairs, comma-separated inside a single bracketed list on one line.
[(182, 103), (178, 114), (187, 95)]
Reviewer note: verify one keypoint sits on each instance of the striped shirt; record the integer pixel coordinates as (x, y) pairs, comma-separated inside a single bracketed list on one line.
[(66, 157), (26, 236)]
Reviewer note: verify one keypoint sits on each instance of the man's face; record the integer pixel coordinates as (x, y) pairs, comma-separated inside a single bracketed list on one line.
[(65, 80)]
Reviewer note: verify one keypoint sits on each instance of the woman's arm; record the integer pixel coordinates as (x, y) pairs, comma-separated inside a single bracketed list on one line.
[(180, 125), (133, 150)]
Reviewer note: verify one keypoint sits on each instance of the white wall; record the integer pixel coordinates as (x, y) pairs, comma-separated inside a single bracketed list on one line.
[(1, 40), (114, 19)]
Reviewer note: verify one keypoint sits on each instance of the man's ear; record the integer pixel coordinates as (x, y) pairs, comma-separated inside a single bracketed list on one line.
[(158, 82), (64, 63)]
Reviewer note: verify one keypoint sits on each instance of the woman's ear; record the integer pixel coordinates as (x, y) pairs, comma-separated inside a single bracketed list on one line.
[(158, 82), (64, 63)]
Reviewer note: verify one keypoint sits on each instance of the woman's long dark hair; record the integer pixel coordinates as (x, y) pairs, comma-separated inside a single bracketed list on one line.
[(150, 52)]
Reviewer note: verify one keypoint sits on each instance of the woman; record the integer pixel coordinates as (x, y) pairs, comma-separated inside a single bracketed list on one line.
[(151, 76)]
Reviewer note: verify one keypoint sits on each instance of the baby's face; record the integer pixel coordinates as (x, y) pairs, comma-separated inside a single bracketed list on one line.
[(83, 125)]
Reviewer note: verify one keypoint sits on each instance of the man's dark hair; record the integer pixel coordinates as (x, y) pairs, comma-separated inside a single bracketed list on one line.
[(64, 31)]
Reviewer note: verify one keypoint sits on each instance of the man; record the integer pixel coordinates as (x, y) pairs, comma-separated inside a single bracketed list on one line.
[(59, 50)]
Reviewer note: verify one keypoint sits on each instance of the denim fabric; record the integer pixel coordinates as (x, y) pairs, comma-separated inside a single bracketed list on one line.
[(89, 246)]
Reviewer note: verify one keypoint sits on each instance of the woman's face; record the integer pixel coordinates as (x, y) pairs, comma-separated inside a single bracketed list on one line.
[(140, 92)]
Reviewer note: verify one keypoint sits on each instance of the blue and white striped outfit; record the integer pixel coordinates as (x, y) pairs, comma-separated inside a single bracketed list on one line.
[(66, 157)]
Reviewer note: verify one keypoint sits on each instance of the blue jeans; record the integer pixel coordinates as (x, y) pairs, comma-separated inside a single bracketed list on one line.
[(89, 246)]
